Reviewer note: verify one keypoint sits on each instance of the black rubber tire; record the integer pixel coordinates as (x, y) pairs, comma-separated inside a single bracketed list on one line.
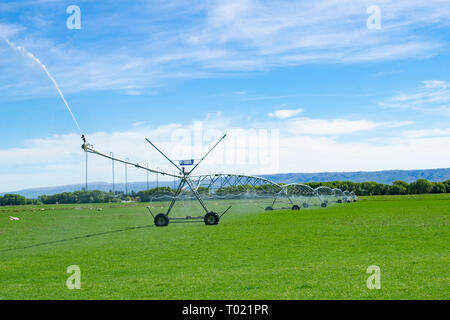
[(161, 220), (339, 201), (323, 205), (305, 205), (295, 207), (269, 208), (211, 218)]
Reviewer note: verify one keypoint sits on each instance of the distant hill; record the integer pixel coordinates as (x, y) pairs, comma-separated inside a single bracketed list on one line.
[(34, 193), (386, 177)]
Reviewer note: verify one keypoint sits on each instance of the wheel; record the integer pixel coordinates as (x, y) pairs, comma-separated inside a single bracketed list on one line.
[(305, 205), (269, 208), (295, 207), (339, 201), (161, 220), (211, 218), (323, 205)]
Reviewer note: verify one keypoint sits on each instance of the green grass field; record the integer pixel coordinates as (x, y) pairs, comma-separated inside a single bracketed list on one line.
[(252, 254)]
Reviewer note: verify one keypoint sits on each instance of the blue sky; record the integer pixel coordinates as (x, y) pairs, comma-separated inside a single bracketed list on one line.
[(333, 94)]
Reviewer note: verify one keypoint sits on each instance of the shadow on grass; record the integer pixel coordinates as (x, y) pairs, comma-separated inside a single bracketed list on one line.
[(77, 238)]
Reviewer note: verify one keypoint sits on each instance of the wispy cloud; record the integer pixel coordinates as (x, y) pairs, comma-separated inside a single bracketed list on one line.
[(59, 159), (427, 133), (217, 38), (9, 30), (285, 113), (433, 97), (337, 126)]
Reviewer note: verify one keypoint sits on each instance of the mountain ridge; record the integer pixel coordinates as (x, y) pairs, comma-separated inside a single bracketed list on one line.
[(383, 176)]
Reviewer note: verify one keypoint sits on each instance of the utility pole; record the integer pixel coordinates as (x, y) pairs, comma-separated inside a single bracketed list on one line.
[(157, 184), (86, 187), (147, 175), (174, 184), (126, 177), (112, 156)]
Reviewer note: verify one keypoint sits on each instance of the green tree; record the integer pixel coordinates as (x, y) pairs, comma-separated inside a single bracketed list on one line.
[(447, 185), (13, 200), (438, 187), (399, 187), (152, 194), (420, 186)]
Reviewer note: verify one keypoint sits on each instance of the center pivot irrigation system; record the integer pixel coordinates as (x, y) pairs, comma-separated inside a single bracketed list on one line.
[(239, 186), (163, 219), (230, 186)]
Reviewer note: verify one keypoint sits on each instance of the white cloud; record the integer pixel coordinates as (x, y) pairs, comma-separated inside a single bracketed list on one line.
[(435, 84), (138, 123), (313, 147), (426, 133), (9, 30), (285, 113), (315, 154), (337, 126), (217, 38), (133, 92), (432, 97)]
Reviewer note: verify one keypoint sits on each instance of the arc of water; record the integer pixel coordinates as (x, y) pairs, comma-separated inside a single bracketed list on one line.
[(29, 54)]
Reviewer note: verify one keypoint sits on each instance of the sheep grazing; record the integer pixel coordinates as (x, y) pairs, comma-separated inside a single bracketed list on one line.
[(13, 218)]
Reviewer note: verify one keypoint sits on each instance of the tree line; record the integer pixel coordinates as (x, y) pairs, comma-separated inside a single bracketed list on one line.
[(16, 200), (398, 187), (420, 186)]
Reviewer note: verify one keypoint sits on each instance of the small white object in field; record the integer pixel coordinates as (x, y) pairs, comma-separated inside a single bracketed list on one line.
[(100, 209), (13, 218)]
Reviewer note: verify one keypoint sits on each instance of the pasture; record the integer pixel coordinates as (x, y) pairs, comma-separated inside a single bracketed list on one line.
[(315, 253)]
